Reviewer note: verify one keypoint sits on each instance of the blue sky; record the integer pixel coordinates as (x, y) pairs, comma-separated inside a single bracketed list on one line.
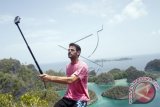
[(130, 27)]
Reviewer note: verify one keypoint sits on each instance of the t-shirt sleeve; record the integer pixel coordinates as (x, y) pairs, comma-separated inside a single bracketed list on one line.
[(81, 72)]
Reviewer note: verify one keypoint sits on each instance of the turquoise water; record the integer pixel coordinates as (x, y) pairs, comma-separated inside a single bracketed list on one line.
[(106, 102)]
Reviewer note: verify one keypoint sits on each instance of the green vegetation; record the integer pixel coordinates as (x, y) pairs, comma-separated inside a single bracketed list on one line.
[(93, 97), (35, 98), (103, 78), (133, 73), (153, 66), (152, 70), (107, 77), (117, 92), (39, 98), (20, 86), (92, 73), (6, 100), (16, 78), (118, 74)]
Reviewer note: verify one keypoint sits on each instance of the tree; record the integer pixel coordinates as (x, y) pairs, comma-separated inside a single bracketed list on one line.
[(10, 84), (92, 73), (9, 65), (117, 73), (117, 92), (104, 78), (153, 65), (133, 74)]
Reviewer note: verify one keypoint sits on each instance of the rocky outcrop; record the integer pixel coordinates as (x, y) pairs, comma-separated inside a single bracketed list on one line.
[(153, 65), (117, 92)]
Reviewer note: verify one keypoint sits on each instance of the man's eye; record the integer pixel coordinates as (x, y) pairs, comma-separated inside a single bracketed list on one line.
[(71, 50)]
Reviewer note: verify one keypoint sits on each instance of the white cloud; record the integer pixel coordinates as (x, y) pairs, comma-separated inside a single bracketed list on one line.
[(134, 10), (106, 9), (5, 18), (156, 32), (99, 8)]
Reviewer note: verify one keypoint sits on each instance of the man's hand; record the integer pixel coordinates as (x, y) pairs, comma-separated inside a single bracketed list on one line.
[(45, 77)]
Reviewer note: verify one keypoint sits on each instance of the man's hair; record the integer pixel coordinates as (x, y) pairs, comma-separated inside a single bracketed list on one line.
[(78, 48)]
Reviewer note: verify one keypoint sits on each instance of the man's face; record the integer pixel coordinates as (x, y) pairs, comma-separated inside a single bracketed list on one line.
[(72, 53)]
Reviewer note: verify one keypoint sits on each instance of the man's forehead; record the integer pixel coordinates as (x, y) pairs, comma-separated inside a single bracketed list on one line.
[(72, 47)]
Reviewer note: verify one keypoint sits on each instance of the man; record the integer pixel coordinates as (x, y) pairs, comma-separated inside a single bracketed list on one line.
[(77, 77)]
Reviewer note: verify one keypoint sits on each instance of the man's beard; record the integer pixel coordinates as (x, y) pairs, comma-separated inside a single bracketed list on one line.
[(69, 55)]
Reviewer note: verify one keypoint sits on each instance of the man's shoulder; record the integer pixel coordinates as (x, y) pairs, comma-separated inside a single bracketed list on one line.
[(82, 63)]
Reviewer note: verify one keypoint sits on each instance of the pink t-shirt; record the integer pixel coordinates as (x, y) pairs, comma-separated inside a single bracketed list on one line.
[(78, 90)]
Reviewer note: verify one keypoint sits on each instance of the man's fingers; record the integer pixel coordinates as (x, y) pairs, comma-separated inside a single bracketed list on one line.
[(42, 75)]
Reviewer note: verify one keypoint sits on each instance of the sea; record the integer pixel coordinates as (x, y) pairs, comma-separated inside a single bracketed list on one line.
[(139, 62)]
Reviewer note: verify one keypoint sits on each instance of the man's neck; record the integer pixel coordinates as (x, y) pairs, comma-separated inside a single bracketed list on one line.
[(74, 61)]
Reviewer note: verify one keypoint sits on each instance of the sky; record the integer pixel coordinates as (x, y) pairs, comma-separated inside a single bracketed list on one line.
[(130, 27)]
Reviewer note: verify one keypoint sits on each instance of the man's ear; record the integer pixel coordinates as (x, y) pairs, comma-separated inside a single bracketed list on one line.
[(78, 53)]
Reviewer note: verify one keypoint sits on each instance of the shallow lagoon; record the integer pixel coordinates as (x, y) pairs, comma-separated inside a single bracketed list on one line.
[(106, 102)]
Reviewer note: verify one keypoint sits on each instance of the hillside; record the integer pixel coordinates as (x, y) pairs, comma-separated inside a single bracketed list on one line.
[(153, 66), (20, 86)]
